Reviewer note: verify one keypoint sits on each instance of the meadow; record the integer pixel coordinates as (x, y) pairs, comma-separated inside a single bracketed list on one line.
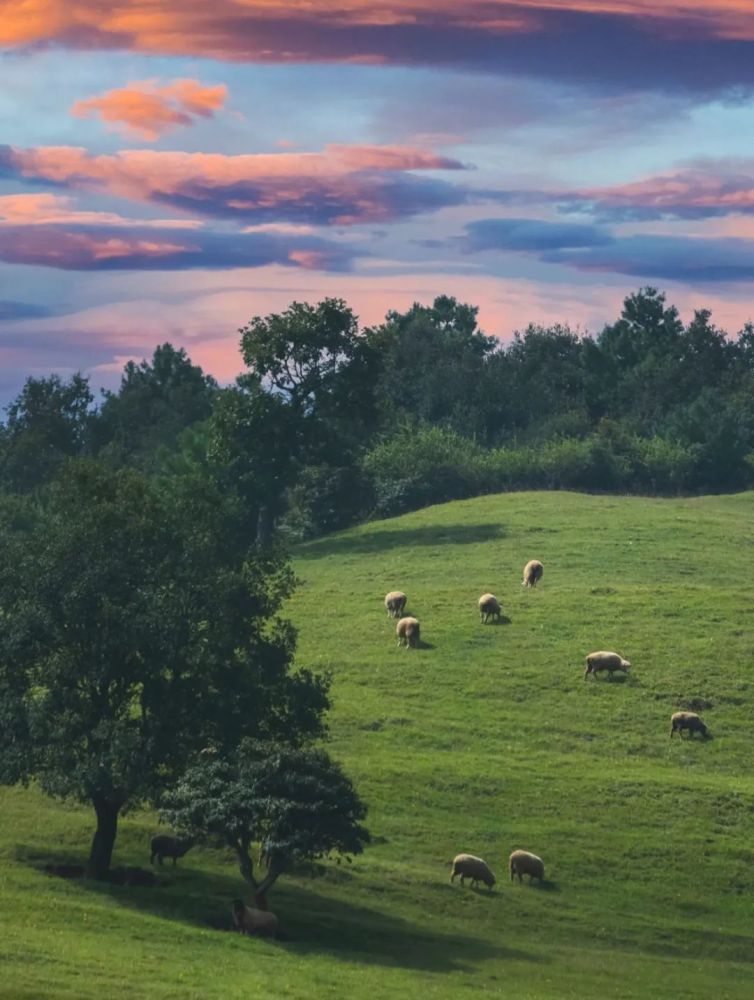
[(485, 740)]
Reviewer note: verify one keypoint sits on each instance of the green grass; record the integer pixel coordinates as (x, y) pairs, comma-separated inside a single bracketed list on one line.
[(486, 740)]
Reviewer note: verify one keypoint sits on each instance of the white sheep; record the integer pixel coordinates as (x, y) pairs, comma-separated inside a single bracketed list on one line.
[(533, 571), (525, 863), (605, 660), (489, 607), (249, 920), (395, 602), (471, 867), (407, 631), (687, 720)]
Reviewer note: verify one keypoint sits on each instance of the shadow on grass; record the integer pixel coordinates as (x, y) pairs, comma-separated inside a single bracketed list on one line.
[(383, 539), (312, 923), (502, 620)]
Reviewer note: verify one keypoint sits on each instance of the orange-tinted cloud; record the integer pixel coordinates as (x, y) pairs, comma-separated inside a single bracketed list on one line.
[(342, 185), (145, 110), (103, 248), (57, 210), (690, 46), (255, 29), (707, 189)]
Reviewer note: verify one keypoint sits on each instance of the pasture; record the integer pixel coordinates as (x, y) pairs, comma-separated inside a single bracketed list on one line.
[(486, 739)]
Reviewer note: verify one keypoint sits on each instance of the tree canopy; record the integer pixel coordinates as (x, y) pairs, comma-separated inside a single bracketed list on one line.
[(295, 803), (133, 632), (324, 425)]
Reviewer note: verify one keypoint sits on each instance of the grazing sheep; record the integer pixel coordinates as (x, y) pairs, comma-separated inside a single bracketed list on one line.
[(524, 863), (407, 631), (489, 607), (533, 571), (467, 866), (249, 920), (395, 602), (164, 846), (687, 720), (603, 660)]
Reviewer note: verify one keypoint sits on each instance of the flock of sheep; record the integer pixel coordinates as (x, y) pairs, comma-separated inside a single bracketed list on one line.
[(249, 920), (408, 631)]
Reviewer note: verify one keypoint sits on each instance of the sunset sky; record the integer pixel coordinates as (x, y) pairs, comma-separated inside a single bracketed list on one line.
[(169, 169)]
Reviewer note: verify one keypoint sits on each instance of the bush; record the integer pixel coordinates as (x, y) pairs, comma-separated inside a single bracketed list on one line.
[(325, 499), (425, 465), (428, 465)]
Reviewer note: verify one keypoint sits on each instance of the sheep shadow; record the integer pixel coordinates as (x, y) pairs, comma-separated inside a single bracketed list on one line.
[(549, 886), (312, 923), (612, 679), (502, 620), (383, 539)]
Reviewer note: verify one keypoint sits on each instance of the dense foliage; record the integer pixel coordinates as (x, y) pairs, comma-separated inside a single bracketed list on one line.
[(135, 629), (330, 425), (296, 804)]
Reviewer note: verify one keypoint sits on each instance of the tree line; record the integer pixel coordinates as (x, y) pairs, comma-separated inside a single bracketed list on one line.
[(330, 424)]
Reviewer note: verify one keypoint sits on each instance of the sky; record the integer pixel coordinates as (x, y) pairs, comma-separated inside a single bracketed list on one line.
[(170, 169)]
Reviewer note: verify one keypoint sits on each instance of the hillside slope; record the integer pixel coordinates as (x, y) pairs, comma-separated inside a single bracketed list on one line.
[(485, 740)]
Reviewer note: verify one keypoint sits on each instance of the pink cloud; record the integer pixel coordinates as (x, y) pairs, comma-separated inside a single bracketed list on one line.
[(71, 250), (145, 110), (51, 235), (342, 184), (57, 210), (708, 188), (266, 29)]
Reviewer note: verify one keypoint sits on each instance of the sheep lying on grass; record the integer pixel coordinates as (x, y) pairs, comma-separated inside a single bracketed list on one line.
[(604, 660), (468, 866), (407, 631), (395, 602), (687, 720), (165, 846), (489, 607), (524, 863), (249, 920), (533, 571)]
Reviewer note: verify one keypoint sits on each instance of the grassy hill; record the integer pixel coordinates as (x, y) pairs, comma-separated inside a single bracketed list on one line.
[(485, 740)]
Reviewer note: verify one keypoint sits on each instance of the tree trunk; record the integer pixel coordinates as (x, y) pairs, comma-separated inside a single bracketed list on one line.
[(261, 890), (265, 523), (245, 864), (246, 867), (104, 839)]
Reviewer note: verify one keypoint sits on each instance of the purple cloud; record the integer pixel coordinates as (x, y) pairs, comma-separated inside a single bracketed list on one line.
[(532, 235), (103, 248)]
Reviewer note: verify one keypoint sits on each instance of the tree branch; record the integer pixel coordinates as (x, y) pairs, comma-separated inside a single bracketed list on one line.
[(245, 864), (273, 873)]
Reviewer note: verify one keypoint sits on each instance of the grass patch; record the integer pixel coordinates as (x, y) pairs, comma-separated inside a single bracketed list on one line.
[(486, 740)]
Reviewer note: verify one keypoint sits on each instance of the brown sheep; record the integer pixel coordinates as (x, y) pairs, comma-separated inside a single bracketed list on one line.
[(524, 863), (249, 920), (468, 866), (489, 607), (407, 631), (603, 660), (533, 571), (165, 846), (687, 720), (395, 602)]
